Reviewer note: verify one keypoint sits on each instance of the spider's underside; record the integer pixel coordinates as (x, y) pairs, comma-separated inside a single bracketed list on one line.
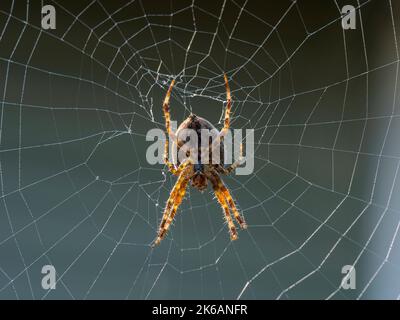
[(199, 174)]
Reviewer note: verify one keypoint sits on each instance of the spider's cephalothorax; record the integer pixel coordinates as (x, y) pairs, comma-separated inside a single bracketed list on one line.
[(197, 172)]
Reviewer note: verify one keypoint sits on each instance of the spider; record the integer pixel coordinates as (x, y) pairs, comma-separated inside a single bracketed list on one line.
[(199, 174)]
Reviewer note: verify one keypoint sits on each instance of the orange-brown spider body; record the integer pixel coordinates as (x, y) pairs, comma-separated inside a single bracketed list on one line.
[(201, 170), (198, 172)]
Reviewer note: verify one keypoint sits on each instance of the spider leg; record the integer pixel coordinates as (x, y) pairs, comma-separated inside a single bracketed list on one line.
[(174, 200), (177, 171), (227, 118), (178, 200), (170, 133), (230, 201), (222, 201), (234, 165), (228, 105), (166, 109)]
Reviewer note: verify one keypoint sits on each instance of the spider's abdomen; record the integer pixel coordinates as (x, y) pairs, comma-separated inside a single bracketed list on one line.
[(197, 124)]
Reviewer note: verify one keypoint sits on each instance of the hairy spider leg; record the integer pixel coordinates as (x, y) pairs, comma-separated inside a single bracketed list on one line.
[(225, 129), (170, 134), (174, 200), (229, 199), (178, 200), (228, 105), (166, 108), (222, 201)]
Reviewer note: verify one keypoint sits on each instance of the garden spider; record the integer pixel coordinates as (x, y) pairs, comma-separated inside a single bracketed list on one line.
[(200, 173)]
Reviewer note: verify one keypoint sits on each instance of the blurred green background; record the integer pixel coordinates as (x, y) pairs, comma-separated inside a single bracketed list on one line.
[(78, 193)]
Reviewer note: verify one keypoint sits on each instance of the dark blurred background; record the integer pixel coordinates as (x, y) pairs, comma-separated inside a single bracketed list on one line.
[(77, 191)]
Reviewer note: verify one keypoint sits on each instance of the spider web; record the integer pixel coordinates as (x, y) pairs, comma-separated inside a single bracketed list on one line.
[(76, 189)]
